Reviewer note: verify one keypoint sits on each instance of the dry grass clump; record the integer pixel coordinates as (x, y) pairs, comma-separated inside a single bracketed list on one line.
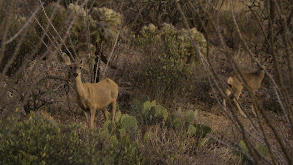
[(165, 146)]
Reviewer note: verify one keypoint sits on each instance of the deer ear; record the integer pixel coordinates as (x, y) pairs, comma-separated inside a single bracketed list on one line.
[(65, 59), (81, 62)]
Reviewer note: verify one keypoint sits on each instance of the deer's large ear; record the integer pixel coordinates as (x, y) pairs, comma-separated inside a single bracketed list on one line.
[(65, 59), (81, 62)]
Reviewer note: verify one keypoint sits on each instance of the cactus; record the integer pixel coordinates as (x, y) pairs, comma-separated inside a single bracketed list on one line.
[(147, 106), (107, 15), (136, 105), (176, 123), (190, 117), (77, 9), (128, 123), (161, 112), (118, 116), (178, 113), (259, 147), (191, 130), (145, 98), (108, 24), (153, 112)]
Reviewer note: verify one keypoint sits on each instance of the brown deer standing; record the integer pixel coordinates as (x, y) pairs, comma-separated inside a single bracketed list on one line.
[(93, 96), (254, 81)]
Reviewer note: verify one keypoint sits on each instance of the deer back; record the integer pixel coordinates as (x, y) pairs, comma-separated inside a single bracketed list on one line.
[(98, 95), (254, 80)]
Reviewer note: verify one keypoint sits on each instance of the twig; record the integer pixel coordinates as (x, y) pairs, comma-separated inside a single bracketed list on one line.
[(62, 41), (113, 48)]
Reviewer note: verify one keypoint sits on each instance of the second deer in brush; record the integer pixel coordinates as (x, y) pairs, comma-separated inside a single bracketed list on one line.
[(254, 81), (92, 97)]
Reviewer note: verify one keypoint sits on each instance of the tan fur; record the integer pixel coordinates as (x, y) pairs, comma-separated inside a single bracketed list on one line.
[(94, 96), (254, 81)]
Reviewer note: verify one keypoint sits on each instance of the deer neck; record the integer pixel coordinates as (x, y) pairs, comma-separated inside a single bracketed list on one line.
[(79, 86)]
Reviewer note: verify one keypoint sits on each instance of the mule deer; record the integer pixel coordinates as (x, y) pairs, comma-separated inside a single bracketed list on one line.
[(93, 96), (254, 81)]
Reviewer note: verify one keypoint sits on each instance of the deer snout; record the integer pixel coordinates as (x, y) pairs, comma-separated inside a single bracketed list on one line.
[(75, 74)]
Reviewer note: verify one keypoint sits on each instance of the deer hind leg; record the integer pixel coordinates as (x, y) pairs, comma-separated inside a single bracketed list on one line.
[(87, 117), (237, 94), (106, 114), (252, 109), (93, 112), (113, 110)]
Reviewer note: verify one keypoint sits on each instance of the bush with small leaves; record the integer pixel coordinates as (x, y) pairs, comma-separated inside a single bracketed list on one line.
[(172, 58), (60, 15), (42, 141)]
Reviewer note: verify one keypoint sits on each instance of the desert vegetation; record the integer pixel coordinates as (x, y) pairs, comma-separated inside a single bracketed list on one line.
[(168, 58)]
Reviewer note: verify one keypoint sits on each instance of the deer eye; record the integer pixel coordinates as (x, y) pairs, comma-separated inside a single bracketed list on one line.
[(70, 67), (79, 67)]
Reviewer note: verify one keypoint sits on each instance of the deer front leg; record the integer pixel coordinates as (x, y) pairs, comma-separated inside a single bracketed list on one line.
[(93, 112), (113, 110), (87, 117), (237, 94), (228, 92)]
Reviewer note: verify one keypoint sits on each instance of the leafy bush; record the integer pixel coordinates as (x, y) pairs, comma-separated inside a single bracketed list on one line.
[(167, 71), (57, 21), (39, 141), (42, 141)]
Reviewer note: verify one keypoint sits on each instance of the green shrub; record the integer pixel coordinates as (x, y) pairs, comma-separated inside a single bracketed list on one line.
[(57, 21), (40, 141), (167, 71)]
